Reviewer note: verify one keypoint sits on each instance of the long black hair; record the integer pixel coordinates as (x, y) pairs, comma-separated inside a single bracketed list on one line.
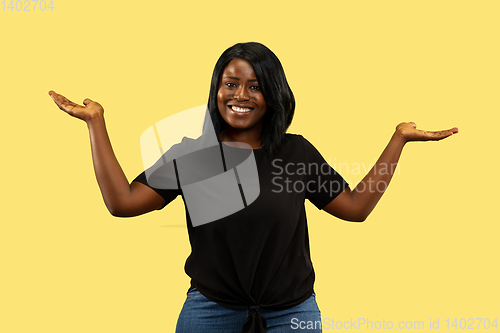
[(273, 84)]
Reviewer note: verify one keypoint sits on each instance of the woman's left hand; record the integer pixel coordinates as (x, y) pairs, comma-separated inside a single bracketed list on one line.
[(409, 132)]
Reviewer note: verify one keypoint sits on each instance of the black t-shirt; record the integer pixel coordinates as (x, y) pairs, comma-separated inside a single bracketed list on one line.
[(259, 256)]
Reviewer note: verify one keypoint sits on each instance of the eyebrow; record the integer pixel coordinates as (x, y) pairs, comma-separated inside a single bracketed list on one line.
[(235, 78)]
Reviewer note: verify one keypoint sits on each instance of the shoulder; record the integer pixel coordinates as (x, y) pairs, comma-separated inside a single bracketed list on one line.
[(297, 140), (295, 146), (294, 138)]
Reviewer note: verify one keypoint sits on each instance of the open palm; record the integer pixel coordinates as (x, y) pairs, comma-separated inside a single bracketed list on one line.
[(410, 132), (87, 111)]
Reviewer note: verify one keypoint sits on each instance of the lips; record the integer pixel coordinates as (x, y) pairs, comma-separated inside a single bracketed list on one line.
[(240, 109)]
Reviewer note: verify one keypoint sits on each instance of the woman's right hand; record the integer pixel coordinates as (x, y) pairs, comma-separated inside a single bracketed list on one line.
[(85, 112)]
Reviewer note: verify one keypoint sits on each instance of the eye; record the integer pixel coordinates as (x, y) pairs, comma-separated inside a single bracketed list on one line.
[(255, 88), (230, 85)]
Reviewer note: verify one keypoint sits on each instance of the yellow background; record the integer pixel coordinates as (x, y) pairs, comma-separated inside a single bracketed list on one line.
[(429, 249)]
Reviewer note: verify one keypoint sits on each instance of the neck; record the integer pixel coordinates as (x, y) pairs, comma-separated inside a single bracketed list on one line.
[(250, 137)]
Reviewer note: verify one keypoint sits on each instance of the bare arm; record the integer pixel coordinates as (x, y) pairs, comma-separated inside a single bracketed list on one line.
[(356, 205), (121, 198)]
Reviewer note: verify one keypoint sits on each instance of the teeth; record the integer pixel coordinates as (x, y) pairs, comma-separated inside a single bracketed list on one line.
[(237, 109)]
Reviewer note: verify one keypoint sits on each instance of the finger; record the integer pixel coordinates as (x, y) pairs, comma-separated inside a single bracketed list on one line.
[(63, 103), (413, 124), (58, 99), (53, 94), (69, 108), (439, 135), (65, 100), (87, 101), (451, 131)]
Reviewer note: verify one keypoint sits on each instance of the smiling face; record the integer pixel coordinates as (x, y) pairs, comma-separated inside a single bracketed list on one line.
[(239, 99)]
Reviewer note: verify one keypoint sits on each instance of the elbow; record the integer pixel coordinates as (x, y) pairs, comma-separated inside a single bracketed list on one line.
[(361, 215), (353, 218), (120, 213), (117, 211), (356, 219), (359, 218)]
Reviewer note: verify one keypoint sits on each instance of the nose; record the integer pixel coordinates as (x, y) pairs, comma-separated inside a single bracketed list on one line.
[(240, 94)]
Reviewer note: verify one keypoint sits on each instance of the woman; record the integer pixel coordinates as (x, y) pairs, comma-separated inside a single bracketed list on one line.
[(251, 270)]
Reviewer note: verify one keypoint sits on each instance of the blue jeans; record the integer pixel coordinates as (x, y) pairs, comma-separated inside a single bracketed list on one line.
[(199, 314)]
